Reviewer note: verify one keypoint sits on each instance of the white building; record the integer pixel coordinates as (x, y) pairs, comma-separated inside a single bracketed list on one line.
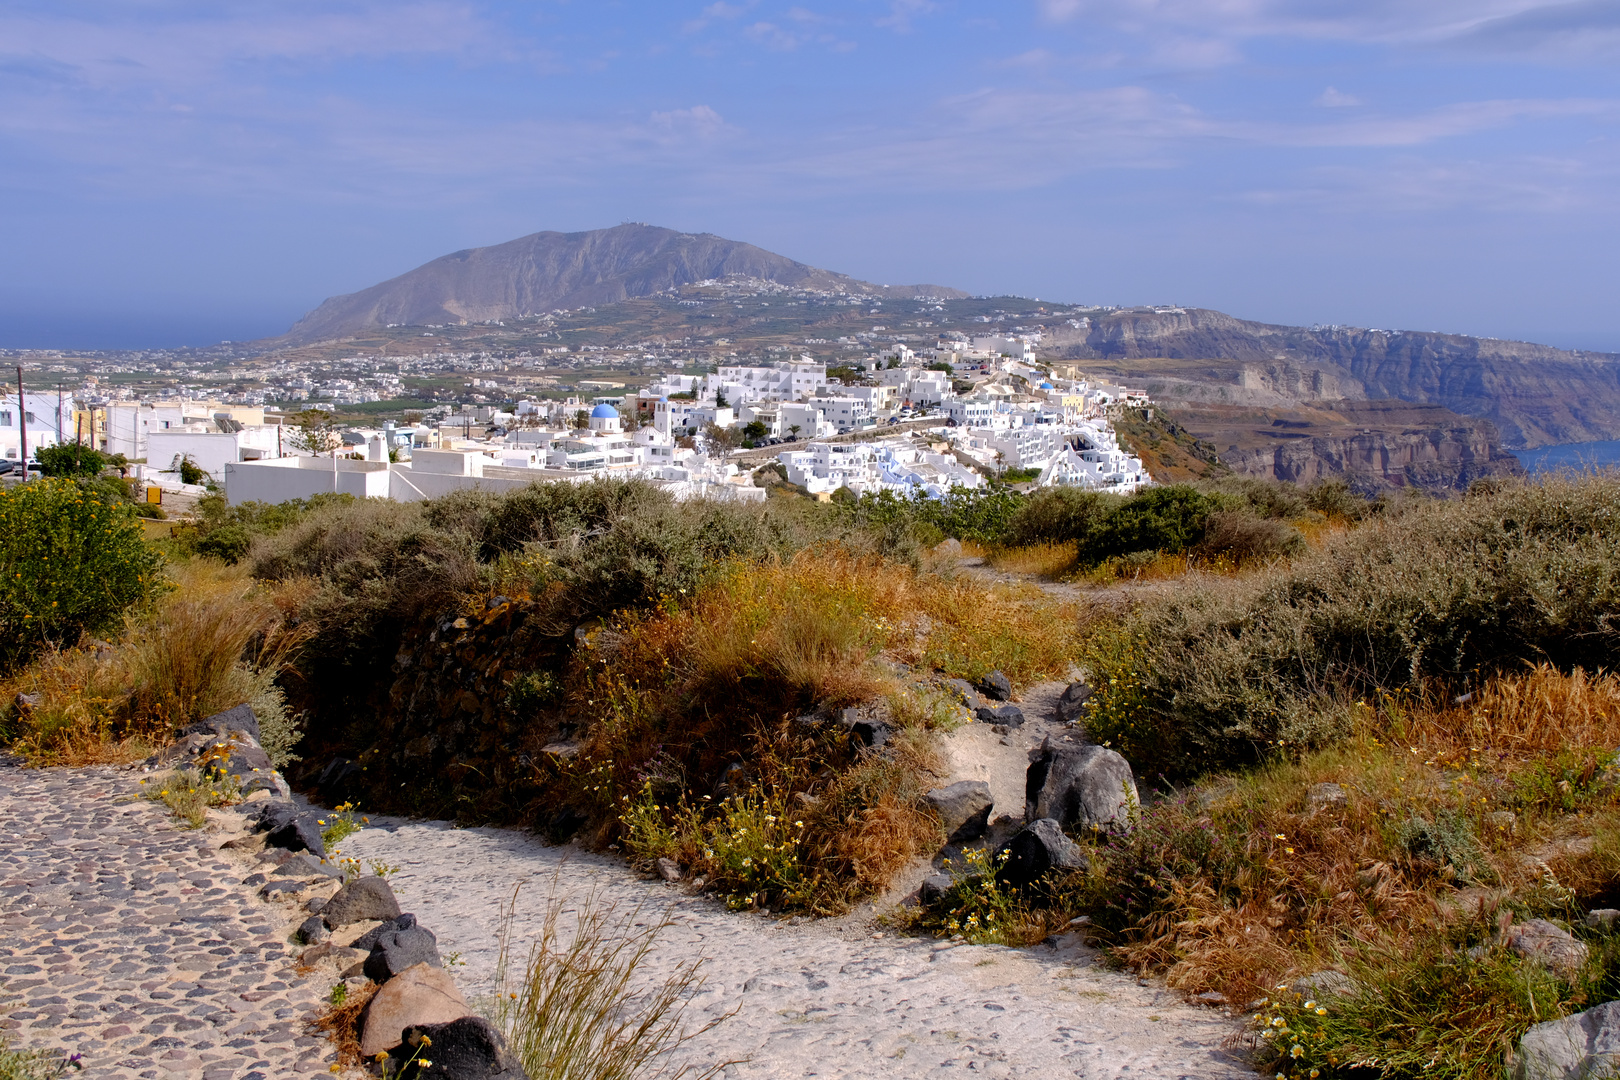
[(128, 423), (209, 450), (786, 380), (49, 420), (867, 468)]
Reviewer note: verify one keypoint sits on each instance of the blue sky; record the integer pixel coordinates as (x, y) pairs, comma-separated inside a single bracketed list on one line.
[(179, 172)]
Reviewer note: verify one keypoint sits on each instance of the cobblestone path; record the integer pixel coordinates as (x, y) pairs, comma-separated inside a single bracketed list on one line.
[(131, 942)]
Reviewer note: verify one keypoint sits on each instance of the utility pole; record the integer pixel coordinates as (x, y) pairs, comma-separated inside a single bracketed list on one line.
[(22, 423)]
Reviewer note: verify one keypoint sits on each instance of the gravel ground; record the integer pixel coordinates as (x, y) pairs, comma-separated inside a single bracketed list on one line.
[(826, 999), (132, 943)]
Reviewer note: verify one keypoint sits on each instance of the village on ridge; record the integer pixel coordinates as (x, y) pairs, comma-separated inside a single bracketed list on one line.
[(917, 424)]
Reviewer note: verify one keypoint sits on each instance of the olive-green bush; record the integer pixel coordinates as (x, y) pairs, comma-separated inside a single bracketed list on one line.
[(1218, 671), (72, 561)]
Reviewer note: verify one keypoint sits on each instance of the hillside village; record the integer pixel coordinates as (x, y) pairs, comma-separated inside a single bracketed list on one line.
[(916, 422)]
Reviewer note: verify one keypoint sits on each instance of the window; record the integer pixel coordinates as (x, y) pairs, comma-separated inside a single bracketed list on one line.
[(5, 418)]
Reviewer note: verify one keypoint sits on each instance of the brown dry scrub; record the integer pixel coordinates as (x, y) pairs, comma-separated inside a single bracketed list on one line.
[(1222, 671), (711, 688), (1454, 813), (1542, 711), (217, 639)]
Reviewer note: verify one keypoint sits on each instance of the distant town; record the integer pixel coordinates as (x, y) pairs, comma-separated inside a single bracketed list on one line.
[(916, 410)]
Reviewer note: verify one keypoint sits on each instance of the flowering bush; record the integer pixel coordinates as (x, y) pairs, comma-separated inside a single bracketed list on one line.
[(979, 907), (1291, 1029)]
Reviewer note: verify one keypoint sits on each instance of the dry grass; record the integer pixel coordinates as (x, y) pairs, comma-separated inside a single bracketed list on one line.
[(1453, 813), (214, 641), (82, 694), (1049, 560), (579, 1010), (188, 794), (685, 693), (341, 1023), (187, 661), (1542, 711)]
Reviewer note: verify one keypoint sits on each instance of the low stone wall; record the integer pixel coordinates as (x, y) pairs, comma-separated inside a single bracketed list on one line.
[(350, 925), (445, 741)]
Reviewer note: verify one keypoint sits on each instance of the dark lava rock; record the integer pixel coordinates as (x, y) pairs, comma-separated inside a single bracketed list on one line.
[(1079, 784), (364, 898), (995, 686), (934, 888), (1072, 705), (302, 833), (1006, 715), (313, 931), (466, 1049), (397, 950), (963, 808), (870, 733), (240, 718), (1037, 849)]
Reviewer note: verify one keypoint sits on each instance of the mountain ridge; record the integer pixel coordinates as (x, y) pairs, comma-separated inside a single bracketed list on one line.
[(547, 270)]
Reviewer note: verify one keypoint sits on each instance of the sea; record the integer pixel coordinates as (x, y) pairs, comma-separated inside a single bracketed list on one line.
[(1578, 456)]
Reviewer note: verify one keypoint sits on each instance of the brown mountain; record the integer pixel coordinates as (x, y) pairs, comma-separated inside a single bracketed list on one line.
[(549, 270)]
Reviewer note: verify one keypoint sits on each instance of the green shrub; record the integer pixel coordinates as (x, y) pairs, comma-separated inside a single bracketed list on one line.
[(33, 1064), (1335, 498), (1168, 519), (1262, 498), (1058, 515), (1439, 1010), (1222, 669), (70, 459), (226, 532), (1242, 537), (72, 561), (978, 514), (190, 472)]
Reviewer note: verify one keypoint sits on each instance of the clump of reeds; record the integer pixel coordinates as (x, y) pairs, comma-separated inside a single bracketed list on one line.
[(577, 1004)]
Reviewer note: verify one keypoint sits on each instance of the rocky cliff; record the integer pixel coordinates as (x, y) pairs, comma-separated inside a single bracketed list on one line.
[(1374, 444), (1534, 394)]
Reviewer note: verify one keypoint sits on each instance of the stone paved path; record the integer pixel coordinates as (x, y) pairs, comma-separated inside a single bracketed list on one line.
[(822, 999), (131, 942)]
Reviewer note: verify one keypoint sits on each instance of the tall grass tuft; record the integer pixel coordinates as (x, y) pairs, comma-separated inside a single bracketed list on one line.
[(216, 640), (32, 1064), (579, 1008)]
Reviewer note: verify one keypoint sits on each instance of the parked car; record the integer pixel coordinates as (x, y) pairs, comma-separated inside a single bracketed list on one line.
[(7, 466)]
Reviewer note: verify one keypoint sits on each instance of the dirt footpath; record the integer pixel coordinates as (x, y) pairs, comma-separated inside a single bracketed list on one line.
[(825, 999)]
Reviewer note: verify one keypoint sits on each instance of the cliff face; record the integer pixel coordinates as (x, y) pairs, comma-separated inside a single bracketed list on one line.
[(1534, 394), (1433, 460), (1373, 444)]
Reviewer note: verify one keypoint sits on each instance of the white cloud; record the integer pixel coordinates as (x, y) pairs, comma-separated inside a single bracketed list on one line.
[(1185, 53), (902, 12), (713, 12), (1387, 21), (1334, 98), (772, 37), (700, 121), (186, 49), (1417, 185)]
